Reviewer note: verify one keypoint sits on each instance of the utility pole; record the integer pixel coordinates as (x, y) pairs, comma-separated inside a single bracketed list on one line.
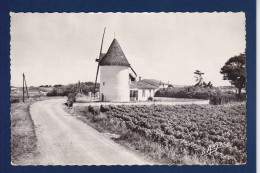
[(25, 85), (79, 88)]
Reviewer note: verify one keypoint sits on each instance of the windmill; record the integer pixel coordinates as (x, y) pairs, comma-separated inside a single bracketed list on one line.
[(133, 70), (97, 60), (114, 74)]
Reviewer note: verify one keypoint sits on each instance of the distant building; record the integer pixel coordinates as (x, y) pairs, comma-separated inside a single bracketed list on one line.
[(143, 89)]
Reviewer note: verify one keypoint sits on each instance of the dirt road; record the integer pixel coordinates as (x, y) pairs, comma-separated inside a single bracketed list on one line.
[(65, 140)]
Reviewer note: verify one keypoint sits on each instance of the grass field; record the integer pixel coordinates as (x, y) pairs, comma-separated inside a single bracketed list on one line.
[(184, 134), (23, 137)]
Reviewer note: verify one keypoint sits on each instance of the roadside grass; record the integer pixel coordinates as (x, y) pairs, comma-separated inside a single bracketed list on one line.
[(23, 136), (180, 134)]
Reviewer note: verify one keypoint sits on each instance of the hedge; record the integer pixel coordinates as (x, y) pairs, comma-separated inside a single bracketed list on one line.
[(215, 95)]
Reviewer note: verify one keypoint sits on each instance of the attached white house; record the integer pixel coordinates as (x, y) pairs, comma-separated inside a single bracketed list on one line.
[(142, 90), (156, 83)]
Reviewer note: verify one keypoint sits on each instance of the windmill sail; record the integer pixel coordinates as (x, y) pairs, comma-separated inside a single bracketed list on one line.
[(100, 56), (133, 70)]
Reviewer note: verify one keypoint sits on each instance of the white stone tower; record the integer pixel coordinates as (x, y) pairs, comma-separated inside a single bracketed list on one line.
[(114, 75)]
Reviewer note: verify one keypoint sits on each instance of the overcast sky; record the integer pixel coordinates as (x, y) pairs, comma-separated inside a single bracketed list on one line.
[(60, 48)]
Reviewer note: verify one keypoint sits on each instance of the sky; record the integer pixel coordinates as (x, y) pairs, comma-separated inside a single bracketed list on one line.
[(61, 48)]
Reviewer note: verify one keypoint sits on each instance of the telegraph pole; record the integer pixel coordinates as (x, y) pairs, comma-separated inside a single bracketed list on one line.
[(26, 87), (79, 87), (23, 87)]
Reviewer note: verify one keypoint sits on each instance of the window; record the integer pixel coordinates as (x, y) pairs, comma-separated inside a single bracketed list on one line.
[(132, 94), (143, 93), (103, 83)]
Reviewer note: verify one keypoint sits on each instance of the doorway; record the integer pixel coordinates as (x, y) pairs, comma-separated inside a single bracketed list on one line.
[(102, 97)]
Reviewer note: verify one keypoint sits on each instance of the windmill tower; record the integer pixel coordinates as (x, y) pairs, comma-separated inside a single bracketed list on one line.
[(114, 75)]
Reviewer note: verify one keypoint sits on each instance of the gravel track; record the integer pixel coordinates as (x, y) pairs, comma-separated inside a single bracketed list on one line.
[(65, 140)]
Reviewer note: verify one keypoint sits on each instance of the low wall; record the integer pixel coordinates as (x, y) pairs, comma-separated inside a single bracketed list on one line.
[(164, 101), (180, 100)]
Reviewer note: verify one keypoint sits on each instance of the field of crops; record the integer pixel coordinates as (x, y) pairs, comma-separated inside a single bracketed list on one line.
[(184, 134)]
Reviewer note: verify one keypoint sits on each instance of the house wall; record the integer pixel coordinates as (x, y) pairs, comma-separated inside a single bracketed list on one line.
[(114, 83), (163, 86), (146, 95)]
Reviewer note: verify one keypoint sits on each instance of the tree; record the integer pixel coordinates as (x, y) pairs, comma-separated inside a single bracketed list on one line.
[(234, 70), (198, 77), (210, 85), (170, 86)]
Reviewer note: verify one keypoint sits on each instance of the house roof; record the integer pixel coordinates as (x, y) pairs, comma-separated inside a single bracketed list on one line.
[(141, 85), (154, 82), (114, 56)]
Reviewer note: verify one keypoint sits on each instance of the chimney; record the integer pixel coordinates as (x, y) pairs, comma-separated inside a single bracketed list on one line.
[(140, 78)]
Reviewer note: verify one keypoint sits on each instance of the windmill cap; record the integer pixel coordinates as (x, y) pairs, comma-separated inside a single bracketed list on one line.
[(114, 56)]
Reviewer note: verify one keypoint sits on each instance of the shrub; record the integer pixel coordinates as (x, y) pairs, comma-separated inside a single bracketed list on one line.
[(104, 108), (58, 92), (64, 90), (59, 85), (71, 97), (14, 100), (93, 110), (224, 98), (150, 98), (215, 95), (90, 108)]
